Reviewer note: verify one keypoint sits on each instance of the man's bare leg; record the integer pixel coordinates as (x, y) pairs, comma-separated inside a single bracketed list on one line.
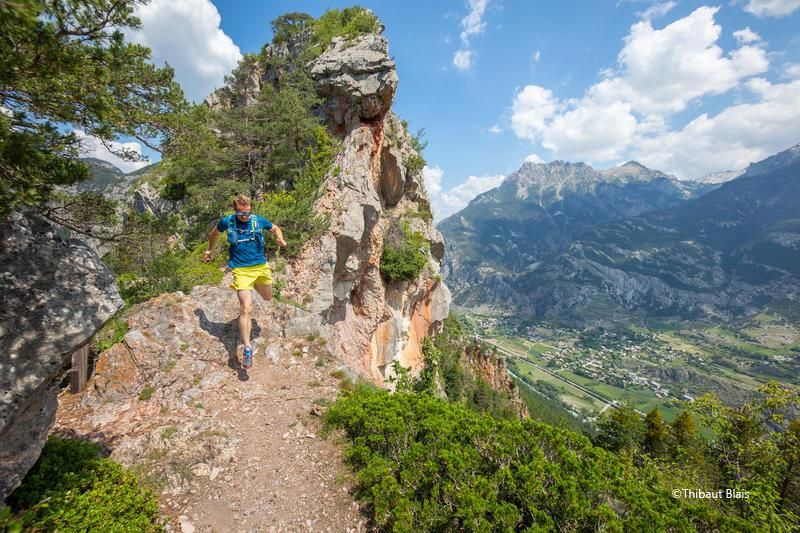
[(265, 291), (245, 309)]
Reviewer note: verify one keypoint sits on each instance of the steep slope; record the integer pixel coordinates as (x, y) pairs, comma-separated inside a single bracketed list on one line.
[(535, 214), (730, 252)]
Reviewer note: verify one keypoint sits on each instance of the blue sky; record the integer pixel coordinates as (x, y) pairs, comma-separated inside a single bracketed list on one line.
[(683, 86)]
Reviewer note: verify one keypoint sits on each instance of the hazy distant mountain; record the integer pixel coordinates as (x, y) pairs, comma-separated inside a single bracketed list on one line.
[(729, 252), (109, 180), (537, 212)]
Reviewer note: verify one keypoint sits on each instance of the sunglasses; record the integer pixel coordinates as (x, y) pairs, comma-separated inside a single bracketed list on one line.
[(238, 214)]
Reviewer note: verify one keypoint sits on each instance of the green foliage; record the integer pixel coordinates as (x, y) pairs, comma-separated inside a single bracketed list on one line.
[(349, 22), (293, 210), (655, 436), (289, 26), (110, 334), (66, 63), (426, 465), (404, 261), (147, 269), (414, 165), (620, 429), (72, 488), (752, 449), (147, 393)]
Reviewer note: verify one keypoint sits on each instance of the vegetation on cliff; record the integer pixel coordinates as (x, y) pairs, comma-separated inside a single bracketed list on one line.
[(73, 488)]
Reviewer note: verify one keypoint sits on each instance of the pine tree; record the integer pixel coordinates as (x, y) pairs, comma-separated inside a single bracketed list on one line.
[(65, 65), (655, 435)]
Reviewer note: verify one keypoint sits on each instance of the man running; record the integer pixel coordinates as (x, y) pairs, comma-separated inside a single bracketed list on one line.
[(248, 261)]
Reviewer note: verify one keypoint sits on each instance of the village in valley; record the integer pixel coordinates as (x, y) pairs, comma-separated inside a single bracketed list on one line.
[(589, 371)]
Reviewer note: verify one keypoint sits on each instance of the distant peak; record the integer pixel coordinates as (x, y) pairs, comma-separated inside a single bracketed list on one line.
[(633, 163)]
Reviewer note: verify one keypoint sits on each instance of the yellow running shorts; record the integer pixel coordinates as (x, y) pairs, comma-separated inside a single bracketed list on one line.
[(245, 278)]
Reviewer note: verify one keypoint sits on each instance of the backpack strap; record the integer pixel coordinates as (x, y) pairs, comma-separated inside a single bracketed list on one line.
[(233, 238), (257, 232)]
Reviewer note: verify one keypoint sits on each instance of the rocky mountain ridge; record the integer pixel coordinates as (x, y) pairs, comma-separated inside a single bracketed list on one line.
[(534, 215), (727, 253)]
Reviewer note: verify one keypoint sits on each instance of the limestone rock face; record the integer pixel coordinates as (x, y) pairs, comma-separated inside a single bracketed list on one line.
[(56, 295), (357, 79), (371, 322), (146, 199)]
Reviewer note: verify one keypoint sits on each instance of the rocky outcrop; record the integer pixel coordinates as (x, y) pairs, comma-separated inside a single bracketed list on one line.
[(146, 199), (369, 194), (172, 401), (491, 367), (56, 295), (357, 79)]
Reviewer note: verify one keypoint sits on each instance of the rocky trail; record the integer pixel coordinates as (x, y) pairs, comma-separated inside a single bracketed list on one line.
[(228, 449)]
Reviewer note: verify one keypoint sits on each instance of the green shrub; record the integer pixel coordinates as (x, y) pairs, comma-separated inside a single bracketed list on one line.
[(110, 334), (405, 261), (426, 465), (414, 165), (349, 22), (72, 488), (147, 393)]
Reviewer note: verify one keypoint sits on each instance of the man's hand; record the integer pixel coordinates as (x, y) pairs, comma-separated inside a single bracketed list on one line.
[(281, 242), (207, 257)]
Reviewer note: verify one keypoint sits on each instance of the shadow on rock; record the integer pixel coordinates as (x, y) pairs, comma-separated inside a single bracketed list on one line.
[(228, 334)]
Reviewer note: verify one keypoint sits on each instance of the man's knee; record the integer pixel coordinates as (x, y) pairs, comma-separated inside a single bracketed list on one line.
[(245, 308)]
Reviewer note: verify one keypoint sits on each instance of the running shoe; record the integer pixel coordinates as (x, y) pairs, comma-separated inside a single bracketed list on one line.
[(247, 359)]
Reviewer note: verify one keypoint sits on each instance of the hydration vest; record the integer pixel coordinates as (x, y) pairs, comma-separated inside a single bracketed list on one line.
[(253, 234)]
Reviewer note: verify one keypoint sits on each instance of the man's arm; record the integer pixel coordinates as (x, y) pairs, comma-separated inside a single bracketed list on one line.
[(212, 242), (278, 235)]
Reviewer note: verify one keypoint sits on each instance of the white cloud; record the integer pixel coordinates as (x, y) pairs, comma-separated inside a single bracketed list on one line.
[(791, 71), (771, 8), (591, 131), (660, 72), (536, 56), (187, 35), (92, 147), (462, 59), (533, 158), (657, 10), (746, 36), (446, 202), (472, 24), (531, 108), (495, 130), (733, 138)]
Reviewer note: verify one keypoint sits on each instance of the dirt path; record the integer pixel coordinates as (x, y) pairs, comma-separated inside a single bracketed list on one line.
[(285, 476), (228, 449)]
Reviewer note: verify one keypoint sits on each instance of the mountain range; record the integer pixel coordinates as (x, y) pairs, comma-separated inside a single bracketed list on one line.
[(565, 242)]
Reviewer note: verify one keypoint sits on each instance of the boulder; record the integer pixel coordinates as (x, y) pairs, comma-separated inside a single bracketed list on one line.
[(56, 295), (357, 78)]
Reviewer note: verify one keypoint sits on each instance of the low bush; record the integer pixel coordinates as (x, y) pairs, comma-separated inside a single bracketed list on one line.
[(73, 488), (405, 261), (427, 465)]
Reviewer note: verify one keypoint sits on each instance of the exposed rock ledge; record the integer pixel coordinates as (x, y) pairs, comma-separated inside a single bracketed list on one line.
[(56, 295)]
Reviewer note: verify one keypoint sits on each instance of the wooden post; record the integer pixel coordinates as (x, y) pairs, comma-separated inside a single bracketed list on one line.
[(80, 369)]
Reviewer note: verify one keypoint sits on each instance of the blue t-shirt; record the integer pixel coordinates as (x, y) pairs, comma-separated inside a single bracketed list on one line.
[(247, 251)]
